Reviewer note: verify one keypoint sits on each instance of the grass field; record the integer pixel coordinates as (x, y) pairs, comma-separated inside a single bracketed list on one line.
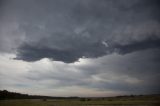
[(76, 102)]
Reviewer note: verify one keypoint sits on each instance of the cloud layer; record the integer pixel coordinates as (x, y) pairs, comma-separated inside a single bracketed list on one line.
[(106, 76), (66, 31), (80, 47)]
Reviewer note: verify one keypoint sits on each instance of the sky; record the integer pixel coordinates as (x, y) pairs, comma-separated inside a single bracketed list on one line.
[(88, 48)]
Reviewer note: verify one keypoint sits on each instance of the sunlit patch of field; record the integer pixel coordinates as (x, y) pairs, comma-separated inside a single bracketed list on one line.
[(76, 102)]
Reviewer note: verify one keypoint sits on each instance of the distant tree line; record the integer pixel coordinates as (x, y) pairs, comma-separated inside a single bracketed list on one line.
[(4, 94)]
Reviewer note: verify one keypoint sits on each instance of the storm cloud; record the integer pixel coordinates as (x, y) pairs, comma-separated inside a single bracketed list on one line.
[(97, 46), (66, 31)]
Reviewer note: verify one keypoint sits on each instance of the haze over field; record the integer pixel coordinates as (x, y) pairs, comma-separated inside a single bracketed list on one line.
[(80, 47)]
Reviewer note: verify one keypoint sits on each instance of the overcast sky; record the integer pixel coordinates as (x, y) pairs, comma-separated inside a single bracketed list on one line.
[(80, 47)]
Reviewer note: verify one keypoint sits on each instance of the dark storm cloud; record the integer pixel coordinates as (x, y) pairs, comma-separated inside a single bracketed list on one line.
[(69, 30), (78, 29), (149, 43), (30, 53)]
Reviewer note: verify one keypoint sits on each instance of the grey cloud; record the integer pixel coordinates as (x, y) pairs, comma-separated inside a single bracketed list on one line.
[(79, 28), (135, 46), (132, 73), (66, 31), (30, 53), (96, 44)]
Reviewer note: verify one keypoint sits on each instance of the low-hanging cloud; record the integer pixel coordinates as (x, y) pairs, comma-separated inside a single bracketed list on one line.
[(69, 30)]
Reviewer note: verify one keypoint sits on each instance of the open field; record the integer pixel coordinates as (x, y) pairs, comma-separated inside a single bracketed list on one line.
[(76, 102), (17, 99)]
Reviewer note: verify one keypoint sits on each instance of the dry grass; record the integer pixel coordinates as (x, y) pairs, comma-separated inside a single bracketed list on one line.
[(66, 102)]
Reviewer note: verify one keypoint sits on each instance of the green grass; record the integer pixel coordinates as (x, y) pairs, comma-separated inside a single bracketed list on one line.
[(75, 102)]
